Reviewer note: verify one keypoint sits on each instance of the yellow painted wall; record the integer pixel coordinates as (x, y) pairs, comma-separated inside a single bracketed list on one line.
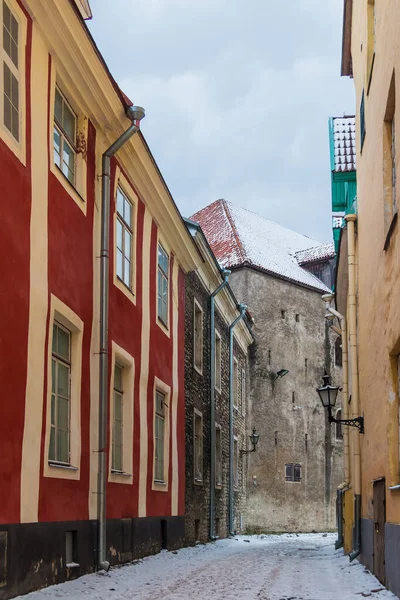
[(379, 270)]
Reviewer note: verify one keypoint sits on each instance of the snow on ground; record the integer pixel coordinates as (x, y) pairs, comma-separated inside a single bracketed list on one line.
[(271, 567)]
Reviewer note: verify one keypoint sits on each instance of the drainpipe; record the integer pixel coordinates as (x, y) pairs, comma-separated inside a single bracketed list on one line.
[(355, 403), (225, 273), (135, 114), (243, 308)]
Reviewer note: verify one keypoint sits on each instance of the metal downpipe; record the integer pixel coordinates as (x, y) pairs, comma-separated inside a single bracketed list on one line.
[(355, 402), (135, 114), (243, 308), (225, 274)]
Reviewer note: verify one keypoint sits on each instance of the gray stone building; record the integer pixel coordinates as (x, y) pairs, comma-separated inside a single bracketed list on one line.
[(199, 456), (293, 476)]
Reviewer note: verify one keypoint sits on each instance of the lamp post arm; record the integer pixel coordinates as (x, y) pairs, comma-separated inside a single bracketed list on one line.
[(356, 422)]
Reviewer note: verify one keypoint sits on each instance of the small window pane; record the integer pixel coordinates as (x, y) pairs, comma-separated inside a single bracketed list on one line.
[(128, 213), (127, 272), (7, 113), (6, 40), (53, 408), (52, 447), (58, 107), (120, 202), (119, 264), (63, 380), (63, 343), (62, 444), (14, 53), (57, 147), (119, 234), (128, 244), (68, 161), (68, 122), (63, 414)]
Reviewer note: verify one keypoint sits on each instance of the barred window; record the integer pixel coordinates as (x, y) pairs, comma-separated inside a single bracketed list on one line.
[(159, 434), (59, 450), (117, 438), (198, 447), (292, 472)]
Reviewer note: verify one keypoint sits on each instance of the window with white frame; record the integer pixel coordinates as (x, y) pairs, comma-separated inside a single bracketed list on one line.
[(293, 472), (59, 450), (235, 383), (64, 136), (163, 275), (159, 435), (124, 238), (198, 447), (117, 437), (218, 456), (11, 73), (198, 337), (235, 463), (217, 360)]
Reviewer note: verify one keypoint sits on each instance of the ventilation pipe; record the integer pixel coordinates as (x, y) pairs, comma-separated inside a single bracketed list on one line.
[(135, 114), (355, 398), (225, 273), (243, 309)]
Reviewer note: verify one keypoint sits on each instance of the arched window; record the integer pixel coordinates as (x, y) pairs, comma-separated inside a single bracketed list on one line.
[(339, 428), (338, 352)]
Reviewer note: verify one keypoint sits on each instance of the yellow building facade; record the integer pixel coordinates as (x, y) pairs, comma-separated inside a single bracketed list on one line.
[(368, 287)]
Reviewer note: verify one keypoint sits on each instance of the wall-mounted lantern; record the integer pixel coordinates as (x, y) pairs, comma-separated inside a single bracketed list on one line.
[(253, 440), (279, 374), (328, 394)]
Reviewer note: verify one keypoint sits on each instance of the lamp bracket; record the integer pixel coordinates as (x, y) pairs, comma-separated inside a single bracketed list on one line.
[(357, 422), (247, 451)]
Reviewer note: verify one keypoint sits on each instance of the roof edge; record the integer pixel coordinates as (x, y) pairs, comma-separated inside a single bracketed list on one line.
[(318, 290), (347, 65)]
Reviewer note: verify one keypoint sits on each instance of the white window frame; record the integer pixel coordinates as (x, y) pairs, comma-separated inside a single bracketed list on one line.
[(218, 360), (18, 147), (64, 315), (125, 360), (162, 388), (198, 447), (235, 376), (197, 338), (164, 324), (64, 138), (127, 229), (66, 363), (218, 456), (118, 392)]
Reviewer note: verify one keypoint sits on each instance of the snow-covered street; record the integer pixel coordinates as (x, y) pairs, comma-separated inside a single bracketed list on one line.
[(273, 567)]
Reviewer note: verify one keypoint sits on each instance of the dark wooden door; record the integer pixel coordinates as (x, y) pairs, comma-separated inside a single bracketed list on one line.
[(379, 529)]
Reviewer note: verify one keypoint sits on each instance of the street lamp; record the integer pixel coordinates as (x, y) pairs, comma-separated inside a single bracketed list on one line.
[(253, 440), (328, 394), (279, 374)]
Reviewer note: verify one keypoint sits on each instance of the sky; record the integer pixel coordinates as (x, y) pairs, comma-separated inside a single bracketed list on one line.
[(237, 97)]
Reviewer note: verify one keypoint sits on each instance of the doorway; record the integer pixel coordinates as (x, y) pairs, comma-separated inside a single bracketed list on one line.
[(379, 529)]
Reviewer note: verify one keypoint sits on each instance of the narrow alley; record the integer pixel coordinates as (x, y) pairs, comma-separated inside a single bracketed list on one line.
[(273, 567)]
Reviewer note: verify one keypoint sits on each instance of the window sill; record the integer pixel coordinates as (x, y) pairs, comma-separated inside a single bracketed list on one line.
[(122, 473), (218, 486), (198, 370), (127, 288), (163, 326), (69, 183), (69, 187), (390, 231), (72, 565), (236, 408), (57, 465), (198, 482), (158, 482)]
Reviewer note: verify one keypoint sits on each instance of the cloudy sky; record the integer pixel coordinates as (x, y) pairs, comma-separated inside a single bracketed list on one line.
[(237, 97)]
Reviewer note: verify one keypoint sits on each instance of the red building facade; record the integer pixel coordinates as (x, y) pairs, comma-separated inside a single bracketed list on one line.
[(66, 110)]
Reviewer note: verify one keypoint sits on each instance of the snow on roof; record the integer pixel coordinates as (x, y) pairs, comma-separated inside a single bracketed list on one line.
[(316, 253), (344, 141), (239, 237)]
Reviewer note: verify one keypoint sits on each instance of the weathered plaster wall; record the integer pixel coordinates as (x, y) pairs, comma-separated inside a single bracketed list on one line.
[(288, 409)]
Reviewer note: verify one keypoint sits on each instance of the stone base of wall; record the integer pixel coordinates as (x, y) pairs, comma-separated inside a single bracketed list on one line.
[(367, 544), (392, 557), (32, 555)]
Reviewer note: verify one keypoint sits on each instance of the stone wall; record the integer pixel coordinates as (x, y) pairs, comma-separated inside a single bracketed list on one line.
[(291, 333), (197, 390)]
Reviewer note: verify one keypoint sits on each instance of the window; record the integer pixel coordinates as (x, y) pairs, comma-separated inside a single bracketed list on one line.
[(60, 395), (124, 238), (389, 158), (283, 314), (198, 447), (218, 456), (163, 270), (292, 472), (362, 120), (64, 137), (235, 464), (198, 337), (11, 75), (338, 352), (297, 318), (159, 433), (235, 383), (243, 391), (117, 438), (217, 361), (339, 428)]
